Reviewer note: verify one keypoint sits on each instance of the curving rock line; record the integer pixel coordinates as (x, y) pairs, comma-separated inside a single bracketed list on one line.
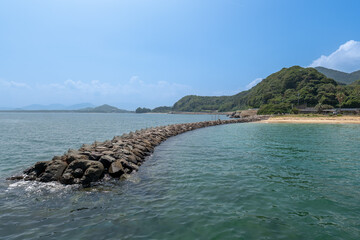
[(116, 158)]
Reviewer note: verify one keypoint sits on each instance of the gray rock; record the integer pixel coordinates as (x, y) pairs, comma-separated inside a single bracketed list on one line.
[(67, 178), (116, 169), (132, 158), (33, 172), (95, 156), (138, 153), (53, 171), (129, 165), (19, 177), (92, 174), (107, 160), (108, 152), (57, 158), (78, 173), (72, 157), (92, 171)]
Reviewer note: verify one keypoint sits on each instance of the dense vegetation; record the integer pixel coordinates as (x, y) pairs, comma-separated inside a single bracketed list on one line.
[(340, 77), (162, 109), (142, 110), (351, 95), (281, 92)]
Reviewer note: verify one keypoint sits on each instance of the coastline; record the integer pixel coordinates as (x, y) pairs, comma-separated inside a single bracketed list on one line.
[(202, 113), (313, 119)]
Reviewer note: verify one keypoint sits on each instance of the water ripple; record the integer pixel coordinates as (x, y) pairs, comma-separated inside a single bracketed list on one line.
[(241, 181)]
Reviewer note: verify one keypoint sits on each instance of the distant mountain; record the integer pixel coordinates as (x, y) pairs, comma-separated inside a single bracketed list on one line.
[(103, 109), (56, 107), (356, 83), (84, 108), (80, 106), (341, 77), (5, 109), (43, 107)]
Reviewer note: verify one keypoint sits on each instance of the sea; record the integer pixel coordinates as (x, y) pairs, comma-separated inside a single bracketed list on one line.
[(236, 181)]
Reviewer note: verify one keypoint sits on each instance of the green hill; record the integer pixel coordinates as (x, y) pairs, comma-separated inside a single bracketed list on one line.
[(193, 103), (142, 110), (162, 109), (278, 93), (103, 109), (341, 77), (355, 83)]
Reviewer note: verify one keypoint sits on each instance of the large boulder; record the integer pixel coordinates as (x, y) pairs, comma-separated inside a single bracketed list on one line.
[(133, 158), (75, 156), (107, 160), (129, 165), (34, 172), (116, 169), (83, 172), (121, 167), (53, 171), (95, 156), (46, 171), (138, 153)]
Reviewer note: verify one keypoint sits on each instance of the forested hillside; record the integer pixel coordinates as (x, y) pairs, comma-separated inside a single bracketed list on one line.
[(340, 77), (280, 92)]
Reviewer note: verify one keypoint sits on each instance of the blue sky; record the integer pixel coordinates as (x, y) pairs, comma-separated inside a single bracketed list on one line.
[(151, 53)]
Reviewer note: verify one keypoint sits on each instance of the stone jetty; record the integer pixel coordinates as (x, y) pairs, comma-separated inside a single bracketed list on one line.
[(115, 158)]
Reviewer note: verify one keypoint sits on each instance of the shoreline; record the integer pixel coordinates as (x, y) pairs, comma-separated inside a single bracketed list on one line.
[(202, 113), (313, 119)]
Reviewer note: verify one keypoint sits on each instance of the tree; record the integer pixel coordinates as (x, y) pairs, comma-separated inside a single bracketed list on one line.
[(142, 110), (340, 96)]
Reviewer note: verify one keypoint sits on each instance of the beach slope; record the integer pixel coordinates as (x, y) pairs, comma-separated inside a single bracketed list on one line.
[(313, 119)]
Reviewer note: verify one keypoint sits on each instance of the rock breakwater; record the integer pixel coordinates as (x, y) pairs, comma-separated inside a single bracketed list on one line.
[(115, 158)]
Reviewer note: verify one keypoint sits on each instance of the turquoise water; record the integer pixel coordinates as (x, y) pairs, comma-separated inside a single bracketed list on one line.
[(239, 181)]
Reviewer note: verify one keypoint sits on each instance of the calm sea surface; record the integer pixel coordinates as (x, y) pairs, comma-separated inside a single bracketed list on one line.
[(239, 181)]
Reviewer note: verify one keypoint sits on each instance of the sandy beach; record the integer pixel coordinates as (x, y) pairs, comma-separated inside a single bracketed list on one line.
[(314, 119)]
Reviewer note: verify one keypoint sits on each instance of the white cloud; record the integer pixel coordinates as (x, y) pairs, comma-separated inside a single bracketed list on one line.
[(133, 86), (253, 83), (129, 94), (93, 86), (345, 58), (13, 84)]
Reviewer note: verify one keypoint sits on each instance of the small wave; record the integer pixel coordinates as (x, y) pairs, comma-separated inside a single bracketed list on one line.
[(39, 187)]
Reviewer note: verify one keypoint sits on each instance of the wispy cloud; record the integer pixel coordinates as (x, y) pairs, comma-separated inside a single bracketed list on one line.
[(253, 83), (130, 94), (345, 58), (13, 84), (134, 86)]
